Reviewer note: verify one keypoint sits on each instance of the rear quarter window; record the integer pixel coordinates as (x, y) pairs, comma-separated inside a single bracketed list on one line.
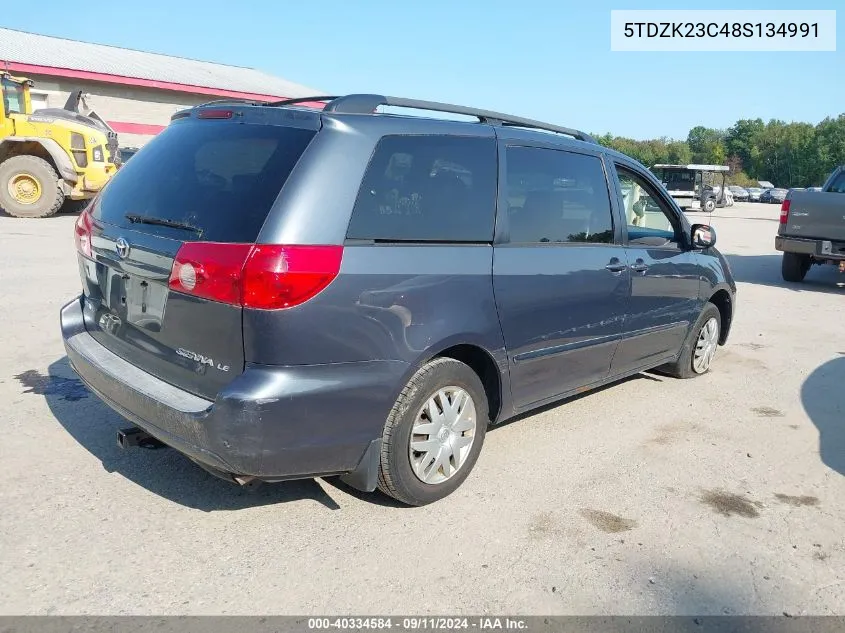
[(221, 178), (428, 189)]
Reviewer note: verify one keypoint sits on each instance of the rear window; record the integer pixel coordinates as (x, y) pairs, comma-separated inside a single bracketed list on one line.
[(220, 178), (428, 189), (838, 185)]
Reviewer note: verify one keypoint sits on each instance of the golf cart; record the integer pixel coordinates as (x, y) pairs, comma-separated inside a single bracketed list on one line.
[(694, 187)]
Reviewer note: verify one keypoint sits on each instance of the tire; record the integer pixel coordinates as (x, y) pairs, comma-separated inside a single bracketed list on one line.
[(794, 267), (709, 205), (685, 366), (397, 476), (30, 169)]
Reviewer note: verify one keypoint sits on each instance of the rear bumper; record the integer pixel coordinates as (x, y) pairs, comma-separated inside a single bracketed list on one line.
[(272, 423), (820, 249)]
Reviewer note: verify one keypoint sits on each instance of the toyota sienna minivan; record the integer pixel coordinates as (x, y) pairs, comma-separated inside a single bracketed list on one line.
[(282, 292)]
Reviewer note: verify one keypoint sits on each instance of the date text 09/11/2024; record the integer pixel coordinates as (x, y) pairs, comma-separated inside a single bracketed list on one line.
[(418, 623)]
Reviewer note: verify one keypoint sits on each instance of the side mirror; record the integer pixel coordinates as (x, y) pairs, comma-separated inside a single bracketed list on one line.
[(703, 236)]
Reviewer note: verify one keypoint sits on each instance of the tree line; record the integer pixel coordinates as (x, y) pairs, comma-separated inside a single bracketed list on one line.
[(786, 154)]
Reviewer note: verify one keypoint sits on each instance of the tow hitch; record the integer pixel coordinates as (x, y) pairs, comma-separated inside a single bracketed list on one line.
[(133, 436)]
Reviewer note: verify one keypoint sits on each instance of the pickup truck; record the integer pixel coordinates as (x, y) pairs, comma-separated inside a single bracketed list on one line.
[(812, 228)]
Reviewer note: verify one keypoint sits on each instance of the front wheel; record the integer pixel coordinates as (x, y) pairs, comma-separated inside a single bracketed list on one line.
[(709, 205), (434, 433), (29, 187), (700, 345)]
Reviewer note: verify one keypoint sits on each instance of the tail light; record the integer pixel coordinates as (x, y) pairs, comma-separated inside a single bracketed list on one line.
[(82, 233), (784, 211), (265, 277)]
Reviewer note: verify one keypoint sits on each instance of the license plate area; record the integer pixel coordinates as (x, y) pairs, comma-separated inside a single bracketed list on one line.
[(130, 299)]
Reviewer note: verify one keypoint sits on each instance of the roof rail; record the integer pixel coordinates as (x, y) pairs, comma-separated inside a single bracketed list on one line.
[(287, 102), (367, 104)]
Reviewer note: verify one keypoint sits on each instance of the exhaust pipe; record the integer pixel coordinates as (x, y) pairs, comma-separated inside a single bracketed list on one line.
[(133, 436), (244, 481)]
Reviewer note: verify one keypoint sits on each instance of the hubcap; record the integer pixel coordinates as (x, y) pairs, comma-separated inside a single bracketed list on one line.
[(442, 436), (24, 188), (705, 346)]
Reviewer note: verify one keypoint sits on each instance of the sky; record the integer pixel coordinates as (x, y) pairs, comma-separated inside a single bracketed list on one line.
[(543, 59)]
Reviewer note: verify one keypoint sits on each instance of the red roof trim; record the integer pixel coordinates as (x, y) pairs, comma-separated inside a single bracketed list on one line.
[(145, 83), (125, 127)]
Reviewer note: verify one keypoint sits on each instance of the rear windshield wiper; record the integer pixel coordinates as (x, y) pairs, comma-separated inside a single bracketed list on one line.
[(174, 224)]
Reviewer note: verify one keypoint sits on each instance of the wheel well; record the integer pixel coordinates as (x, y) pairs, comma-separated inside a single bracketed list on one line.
[(722, 300), (25, 148), (482, 364)]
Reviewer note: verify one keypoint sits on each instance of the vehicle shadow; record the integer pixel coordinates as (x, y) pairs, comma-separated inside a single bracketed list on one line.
[(765, 270), (382, 499), (164, 471), (821, 396), (650, 375), (707, 599), (68, 207)]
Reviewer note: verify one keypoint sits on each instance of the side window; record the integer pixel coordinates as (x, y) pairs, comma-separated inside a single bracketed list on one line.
[(650, 222), (428, 189), (557, 196)]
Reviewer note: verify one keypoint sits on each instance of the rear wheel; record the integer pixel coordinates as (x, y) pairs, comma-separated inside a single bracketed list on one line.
[(709, 205), (794, 267), (434, 433), (29, 187)]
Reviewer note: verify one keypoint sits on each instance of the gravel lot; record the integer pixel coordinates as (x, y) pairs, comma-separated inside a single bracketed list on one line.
[(724, 494)]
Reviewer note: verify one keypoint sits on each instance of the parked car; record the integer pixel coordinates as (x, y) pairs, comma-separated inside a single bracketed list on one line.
[(777, 196), (773, 196), (379, 342), (754, 194), (812, 228), (739, 194)]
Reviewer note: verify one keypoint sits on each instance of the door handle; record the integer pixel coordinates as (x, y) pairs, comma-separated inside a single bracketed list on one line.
[(639, 266), (615, 266)]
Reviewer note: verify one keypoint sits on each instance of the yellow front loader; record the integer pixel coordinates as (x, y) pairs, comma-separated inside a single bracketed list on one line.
[(51, 155)]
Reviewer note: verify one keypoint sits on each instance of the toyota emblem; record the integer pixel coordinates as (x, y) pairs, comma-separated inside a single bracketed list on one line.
[(121, 246)]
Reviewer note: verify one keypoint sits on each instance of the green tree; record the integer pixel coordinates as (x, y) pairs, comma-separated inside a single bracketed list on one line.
[(829, 150), (788, 154), (678, 153), (742, 138), (707, 145)]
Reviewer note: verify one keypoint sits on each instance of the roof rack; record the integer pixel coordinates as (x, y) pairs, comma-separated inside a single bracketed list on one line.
[(367, 104), (287, 102)]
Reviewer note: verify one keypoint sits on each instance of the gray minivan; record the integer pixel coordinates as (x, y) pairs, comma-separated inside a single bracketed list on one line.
[(282, 292)]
